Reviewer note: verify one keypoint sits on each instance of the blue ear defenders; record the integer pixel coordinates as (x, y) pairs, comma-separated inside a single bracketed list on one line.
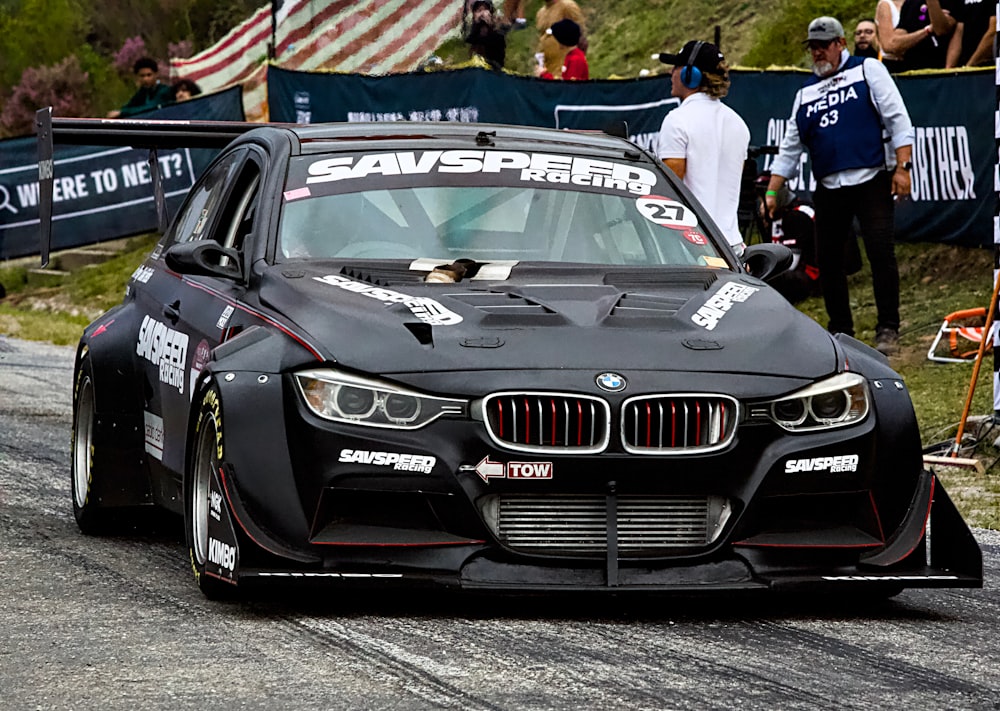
[(690, 74)]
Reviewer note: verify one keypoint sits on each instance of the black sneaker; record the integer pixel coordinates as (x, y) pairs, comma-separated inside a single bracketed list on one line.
[(887, 341)]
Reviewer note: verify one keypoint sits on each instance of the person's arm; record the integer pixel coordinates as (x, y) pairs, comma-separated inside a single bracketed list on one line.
[(901, 40), (955, 46), (901, 176), (678, 165), (984, 52), (942, 22), (883, 26), (786, 163), (895, 118)]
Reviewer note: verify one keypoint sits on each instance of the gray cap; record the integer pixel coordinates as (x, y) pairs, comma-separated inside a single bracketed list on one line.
[(825, 29)]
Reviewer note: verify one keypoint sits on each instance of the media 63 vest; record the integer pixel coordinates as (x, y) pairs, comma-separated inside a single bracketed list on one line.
[(838, 123)]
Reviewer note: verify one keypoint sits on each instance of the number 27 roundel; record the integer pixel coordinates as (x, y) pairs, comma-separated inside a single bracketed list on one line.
[(666, 211)]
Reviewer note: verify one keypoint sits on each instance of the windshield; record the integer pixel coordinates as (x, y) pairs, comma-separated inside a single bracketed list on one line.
[(597, 214)]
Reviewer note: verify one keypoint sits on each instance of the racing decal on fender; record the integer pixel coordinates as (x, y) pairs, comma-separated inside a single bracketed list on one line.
[(532, 167), (153, 434), (843, 463), (666, 211), (142, 274), (401, 462), (426, 309), (712, 311), (223, 558), (224, 317), (488, 469), (165, 348), (202, 354)]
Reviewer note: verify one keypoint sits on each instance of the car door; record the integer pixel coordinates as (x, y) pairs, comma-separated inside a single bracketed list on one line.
[(186, 316)]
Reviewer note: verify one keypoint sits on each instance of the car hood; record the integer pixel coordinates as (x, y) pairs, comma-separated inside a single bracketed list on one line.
[(386, 320)]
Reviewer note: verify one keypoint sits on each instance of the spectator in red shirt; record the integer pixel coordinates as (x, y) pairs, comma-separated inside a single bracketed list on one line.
[(575, 67)]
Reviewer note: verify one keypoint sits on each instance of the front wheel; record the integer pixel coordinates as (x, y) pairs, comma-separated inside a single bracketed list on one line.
[(210, 538)]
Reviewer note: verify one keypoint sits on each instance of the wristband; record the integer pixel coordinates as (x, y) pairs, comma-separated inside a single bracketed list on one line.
[(771, 193)]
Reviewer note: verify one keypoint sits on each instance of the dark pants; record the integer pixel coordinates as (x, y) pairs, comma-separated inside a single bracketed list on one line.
[(836, 209)]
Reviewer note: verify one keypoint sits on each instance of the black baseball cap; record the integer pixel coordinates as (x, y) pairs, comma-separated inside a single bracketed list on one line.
[(707, 58)]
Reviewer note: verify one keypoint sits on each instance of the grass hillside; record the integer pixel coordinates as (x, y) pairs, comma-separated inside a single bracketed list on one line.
[(624, 33)]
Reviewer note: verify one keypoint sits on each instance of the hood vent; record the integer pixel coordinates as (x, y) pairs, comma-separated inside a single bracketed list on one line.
[(492, 302), (647, 305), (383, 275), (686, 279)]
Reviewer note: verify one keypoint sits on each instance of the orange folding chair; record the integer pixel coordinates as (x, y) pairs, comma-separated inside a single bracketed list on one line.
[(964, 330)]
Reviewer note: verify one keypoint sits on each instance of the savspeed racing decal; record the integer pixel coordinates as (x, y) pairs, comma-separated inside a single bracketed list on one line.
[(427, 310), (843, 463), (165, 348), (718, 305), (400, 462), (531, 167)]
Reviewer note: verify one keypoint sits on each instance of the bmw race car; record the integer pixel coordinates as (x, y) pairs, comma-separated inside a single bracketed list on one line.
[(491, 358)]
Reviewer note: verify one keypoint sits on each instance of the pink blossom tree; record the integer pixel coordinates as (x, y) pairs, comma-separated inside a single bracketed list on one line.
[(63, 86)]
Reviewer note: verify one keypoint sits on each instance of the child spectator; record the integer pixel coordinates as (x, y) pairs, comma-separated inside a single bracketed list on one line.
[(185, 89)]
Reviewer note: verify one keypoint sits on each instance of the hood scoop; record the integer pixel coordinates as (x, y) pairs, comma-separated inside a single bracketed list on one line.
[(383, 275), (492, 302), (646, 305), (683, 279)]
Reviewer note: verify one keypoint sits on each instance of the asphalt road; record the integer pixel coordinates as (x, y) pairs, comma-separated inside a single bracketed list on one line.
[(88, 623)]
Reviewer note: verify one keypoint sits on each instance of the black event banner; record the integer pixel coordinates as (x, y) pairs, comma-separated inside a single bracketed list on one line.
[(101, 193), (952, 113)]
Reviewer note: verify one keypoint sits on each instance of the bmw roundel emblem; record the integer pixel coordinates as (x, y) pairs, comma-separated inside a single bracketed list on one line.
[(612, 382)]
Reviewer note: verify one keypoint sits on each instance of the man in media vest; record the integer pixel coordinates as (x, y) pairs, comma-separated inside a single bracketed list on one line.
[(851, 118)]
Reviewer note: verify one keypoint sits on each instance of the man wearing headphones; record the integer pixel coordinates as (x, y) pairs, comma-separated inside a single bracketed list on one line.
[(704, 141)]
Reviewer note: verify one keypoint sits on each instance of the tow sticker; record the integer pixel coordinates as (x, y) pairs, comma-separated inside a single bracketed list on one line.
[(488, 469), (666, 211)]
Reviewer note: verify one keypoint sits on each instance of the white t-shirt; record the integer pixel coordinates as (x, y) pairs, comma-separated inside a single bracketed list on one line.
[(713, 140)]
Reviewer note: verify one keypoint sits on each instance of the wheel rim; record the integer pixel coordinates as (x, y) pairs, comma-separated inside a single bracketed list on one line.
[(83, 442), (204, 464)]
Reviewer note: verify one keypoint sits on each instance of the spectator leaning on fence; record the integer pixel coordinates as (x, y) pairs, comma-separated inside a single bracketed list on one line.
[(704, 141), (860, 167), (972, 43), (151, 94)]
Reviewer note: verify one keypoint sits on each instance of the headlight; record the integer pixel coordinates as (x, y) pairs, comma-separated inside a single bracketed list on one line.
[(359, 401), (835, 402)]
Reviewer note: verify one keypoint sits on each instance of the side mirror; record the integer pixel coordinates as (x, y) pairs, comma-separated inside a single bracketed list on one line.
[(766, 261), (204, 258)]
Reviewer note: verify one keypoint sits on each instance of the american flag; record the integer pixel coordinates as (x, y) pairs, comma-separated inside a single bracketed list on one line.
[(365, 36)]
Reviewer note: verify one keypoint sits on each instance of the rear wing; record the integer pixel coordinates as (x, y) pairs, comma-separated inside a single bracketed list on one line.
[(150, 134)]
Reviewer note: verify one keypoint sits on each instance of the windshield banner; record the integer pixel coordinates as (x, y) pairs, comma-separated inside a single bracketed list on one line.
[(953, 152)]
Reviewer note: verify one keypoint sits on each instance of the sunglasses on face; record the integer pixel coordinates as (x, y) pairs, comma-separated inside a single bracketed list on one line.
[(818, 44)]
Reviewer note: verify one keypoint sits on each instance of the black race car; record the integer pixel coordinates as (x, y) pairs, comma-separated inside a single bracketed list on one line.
[(493, 358)]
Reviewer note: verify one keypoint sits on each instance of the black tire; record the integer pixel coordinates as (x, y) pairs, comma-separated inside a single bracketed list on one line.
[(88, 470), (206, 453)]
